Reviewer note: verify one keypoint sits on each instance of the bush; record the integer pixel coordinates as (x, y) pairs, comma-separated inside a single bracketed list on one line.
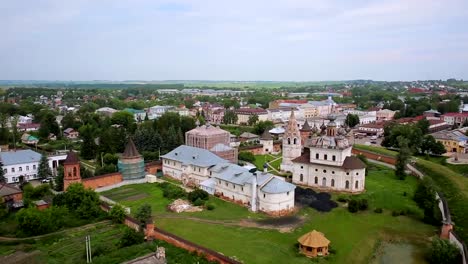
[(198, 202), (395, 213), (172, 191), (143, 213), (246, 156), (378, 210), (131, 237), (198, 194), (210, 207), (353, 206), (117, 214), (342, 199), (443, 252), (363, 204)]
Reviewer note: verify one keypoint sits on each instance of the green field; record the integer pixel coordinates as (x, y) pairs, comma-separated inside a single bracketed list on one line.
[(135, 195), (261, 159), (379, 150), (69, 247), (354, 237)]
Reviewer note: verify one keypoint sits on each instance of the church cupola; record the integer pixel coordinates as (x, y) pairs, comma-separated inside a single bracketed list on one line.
[(331, 126)]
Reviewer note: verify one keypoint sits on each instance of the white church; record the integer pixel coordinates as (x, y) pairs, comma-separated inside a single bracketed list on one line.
[(324, 161), (259, 191)]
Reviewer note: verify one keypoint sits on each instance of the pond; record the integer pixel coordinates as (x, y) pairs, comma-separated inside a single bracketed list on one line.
[(401, 253)]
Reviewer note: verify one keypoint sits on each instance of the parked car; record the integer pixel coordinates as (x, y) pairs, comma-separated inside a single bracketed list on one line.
[(46, 180)]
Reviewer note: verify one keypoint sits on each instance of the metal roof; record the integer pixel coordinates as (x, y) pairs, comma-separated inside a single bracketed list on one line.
[(276, 185), (19, 157), (194, 156)]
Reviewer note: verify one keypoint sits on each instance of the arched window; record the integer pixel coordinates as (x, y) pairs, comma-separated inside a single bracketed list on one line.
[(317, 156), (334, 158), (333, 183), (356, 185), (347, 185), (301, 178), (295, 141), (74, 171), (316, 180), (324, 182), (325, 156), (289, 141)]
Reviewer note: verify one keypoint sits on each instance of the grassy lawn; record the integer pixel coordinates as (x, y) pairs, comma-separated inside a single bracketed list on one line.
[(384, 190), (70, 248), (135, 195), (353, 236), (261, 159), (376, 149), (455, 189)]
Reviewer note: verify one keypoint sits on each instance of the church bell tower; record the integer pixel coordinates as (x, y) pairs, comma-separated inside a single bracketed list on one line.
[(292, 144)]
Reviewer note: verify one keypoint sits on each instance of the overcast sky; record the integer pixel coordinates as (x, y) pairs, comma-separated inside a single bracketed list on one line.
[(296, 40)]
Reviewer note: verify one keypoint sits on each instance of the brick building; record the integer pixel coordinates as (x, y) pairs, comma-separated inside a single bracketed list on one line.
[(213, 139)]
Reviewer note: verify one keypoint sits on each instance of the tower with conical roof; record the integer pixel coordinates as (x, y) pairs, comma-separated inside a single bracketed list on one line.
[(267, 142), (292, 145), (131, 164), (306, 132), (71, 170)]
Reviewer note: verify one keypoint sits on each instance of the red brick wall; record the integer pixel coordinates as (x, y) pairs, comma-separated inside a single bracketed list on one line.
[(375, 156), (153, 167), (187, 245), (16, 197), (102, 180)]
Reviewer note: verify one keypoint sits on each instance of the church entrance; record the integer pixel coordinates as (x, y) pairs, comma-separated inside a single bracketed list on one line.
[(324, 182)]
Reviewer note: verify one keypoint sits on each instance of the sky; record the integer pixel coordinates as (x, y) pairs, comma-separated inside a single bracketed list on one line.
[(293, 40)]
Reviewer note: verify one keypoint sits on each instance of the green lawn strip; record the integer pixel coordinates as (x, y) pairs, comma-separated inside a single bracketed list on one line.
[(376, 149), (455, 189)]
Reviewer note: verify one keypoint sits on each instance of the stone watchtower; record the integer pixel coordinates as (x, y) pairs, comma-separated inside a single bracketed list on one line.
[(306, 132), (267, 141), (131, 163), (71, 170), (292, 145)]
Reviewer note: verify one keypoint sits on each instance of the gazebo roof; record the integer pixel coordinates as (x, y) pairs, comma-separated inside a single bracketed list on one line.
[(314, 239)]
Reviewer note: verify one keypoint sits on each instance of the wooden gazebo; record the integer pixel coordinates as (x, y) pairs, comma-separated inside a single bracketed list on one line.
[(313, 244)]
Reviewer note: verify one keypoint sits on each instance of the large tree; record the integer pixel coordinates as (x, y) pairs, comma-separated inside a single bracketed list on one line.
[(253, 119), (352, 120), (430, 146), (44, 171), (402, 158), (2, 173), (48, 125), (230, 117), (88, 147)]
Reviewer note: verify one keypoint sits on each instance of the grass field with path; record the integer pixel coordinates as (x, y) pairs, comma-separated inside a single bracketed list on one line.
[(354, 237)]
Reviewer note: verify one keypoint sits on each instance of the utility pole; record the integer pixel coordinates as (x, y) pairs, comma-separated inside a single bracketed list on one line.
[(89, 257)]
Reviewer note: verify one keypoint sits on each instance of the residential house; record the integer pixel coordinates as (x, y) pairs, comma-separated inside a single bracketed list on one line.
[(71, 133)]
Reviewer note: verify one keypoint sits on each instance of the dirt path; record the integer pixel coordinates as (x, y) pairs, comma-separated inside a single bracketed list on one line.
[(283, 228)]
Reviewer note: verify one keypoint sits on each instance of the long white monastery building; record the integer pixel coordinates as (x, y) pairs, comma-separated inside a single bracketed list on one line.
[(260, 191)]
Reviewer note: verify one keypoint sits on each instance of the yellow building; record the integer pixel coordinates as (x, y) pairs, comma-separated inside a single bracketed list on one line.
[(454, 141)]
